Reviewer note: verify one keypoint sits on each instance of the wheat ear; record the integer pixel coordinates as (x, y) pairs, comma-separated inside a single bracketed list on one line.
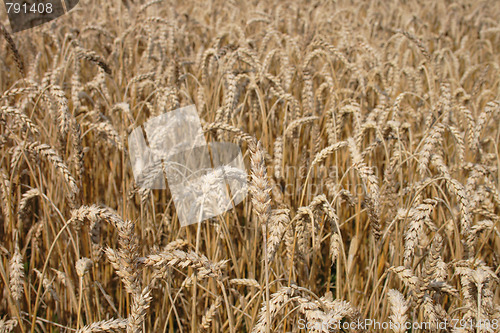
[(13, 49), (16, 279), (107, 326)]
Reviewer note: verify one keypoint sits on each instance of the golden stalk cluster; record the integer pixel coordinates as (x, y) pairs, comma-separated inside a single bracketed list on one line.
[(370, 131)]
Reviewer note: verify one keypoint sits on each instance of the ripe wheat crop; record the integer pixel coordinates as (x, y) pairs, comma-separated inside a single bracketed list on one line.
[(369, 130)]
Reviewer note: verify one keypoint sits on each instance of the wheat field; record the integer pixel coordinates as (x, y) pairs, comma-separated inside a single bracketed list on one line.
[(369, 130)]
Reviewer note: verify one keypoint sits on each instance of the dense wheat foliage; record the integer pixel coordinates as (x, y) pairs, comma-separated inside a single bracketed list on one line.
[(370, 132)]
